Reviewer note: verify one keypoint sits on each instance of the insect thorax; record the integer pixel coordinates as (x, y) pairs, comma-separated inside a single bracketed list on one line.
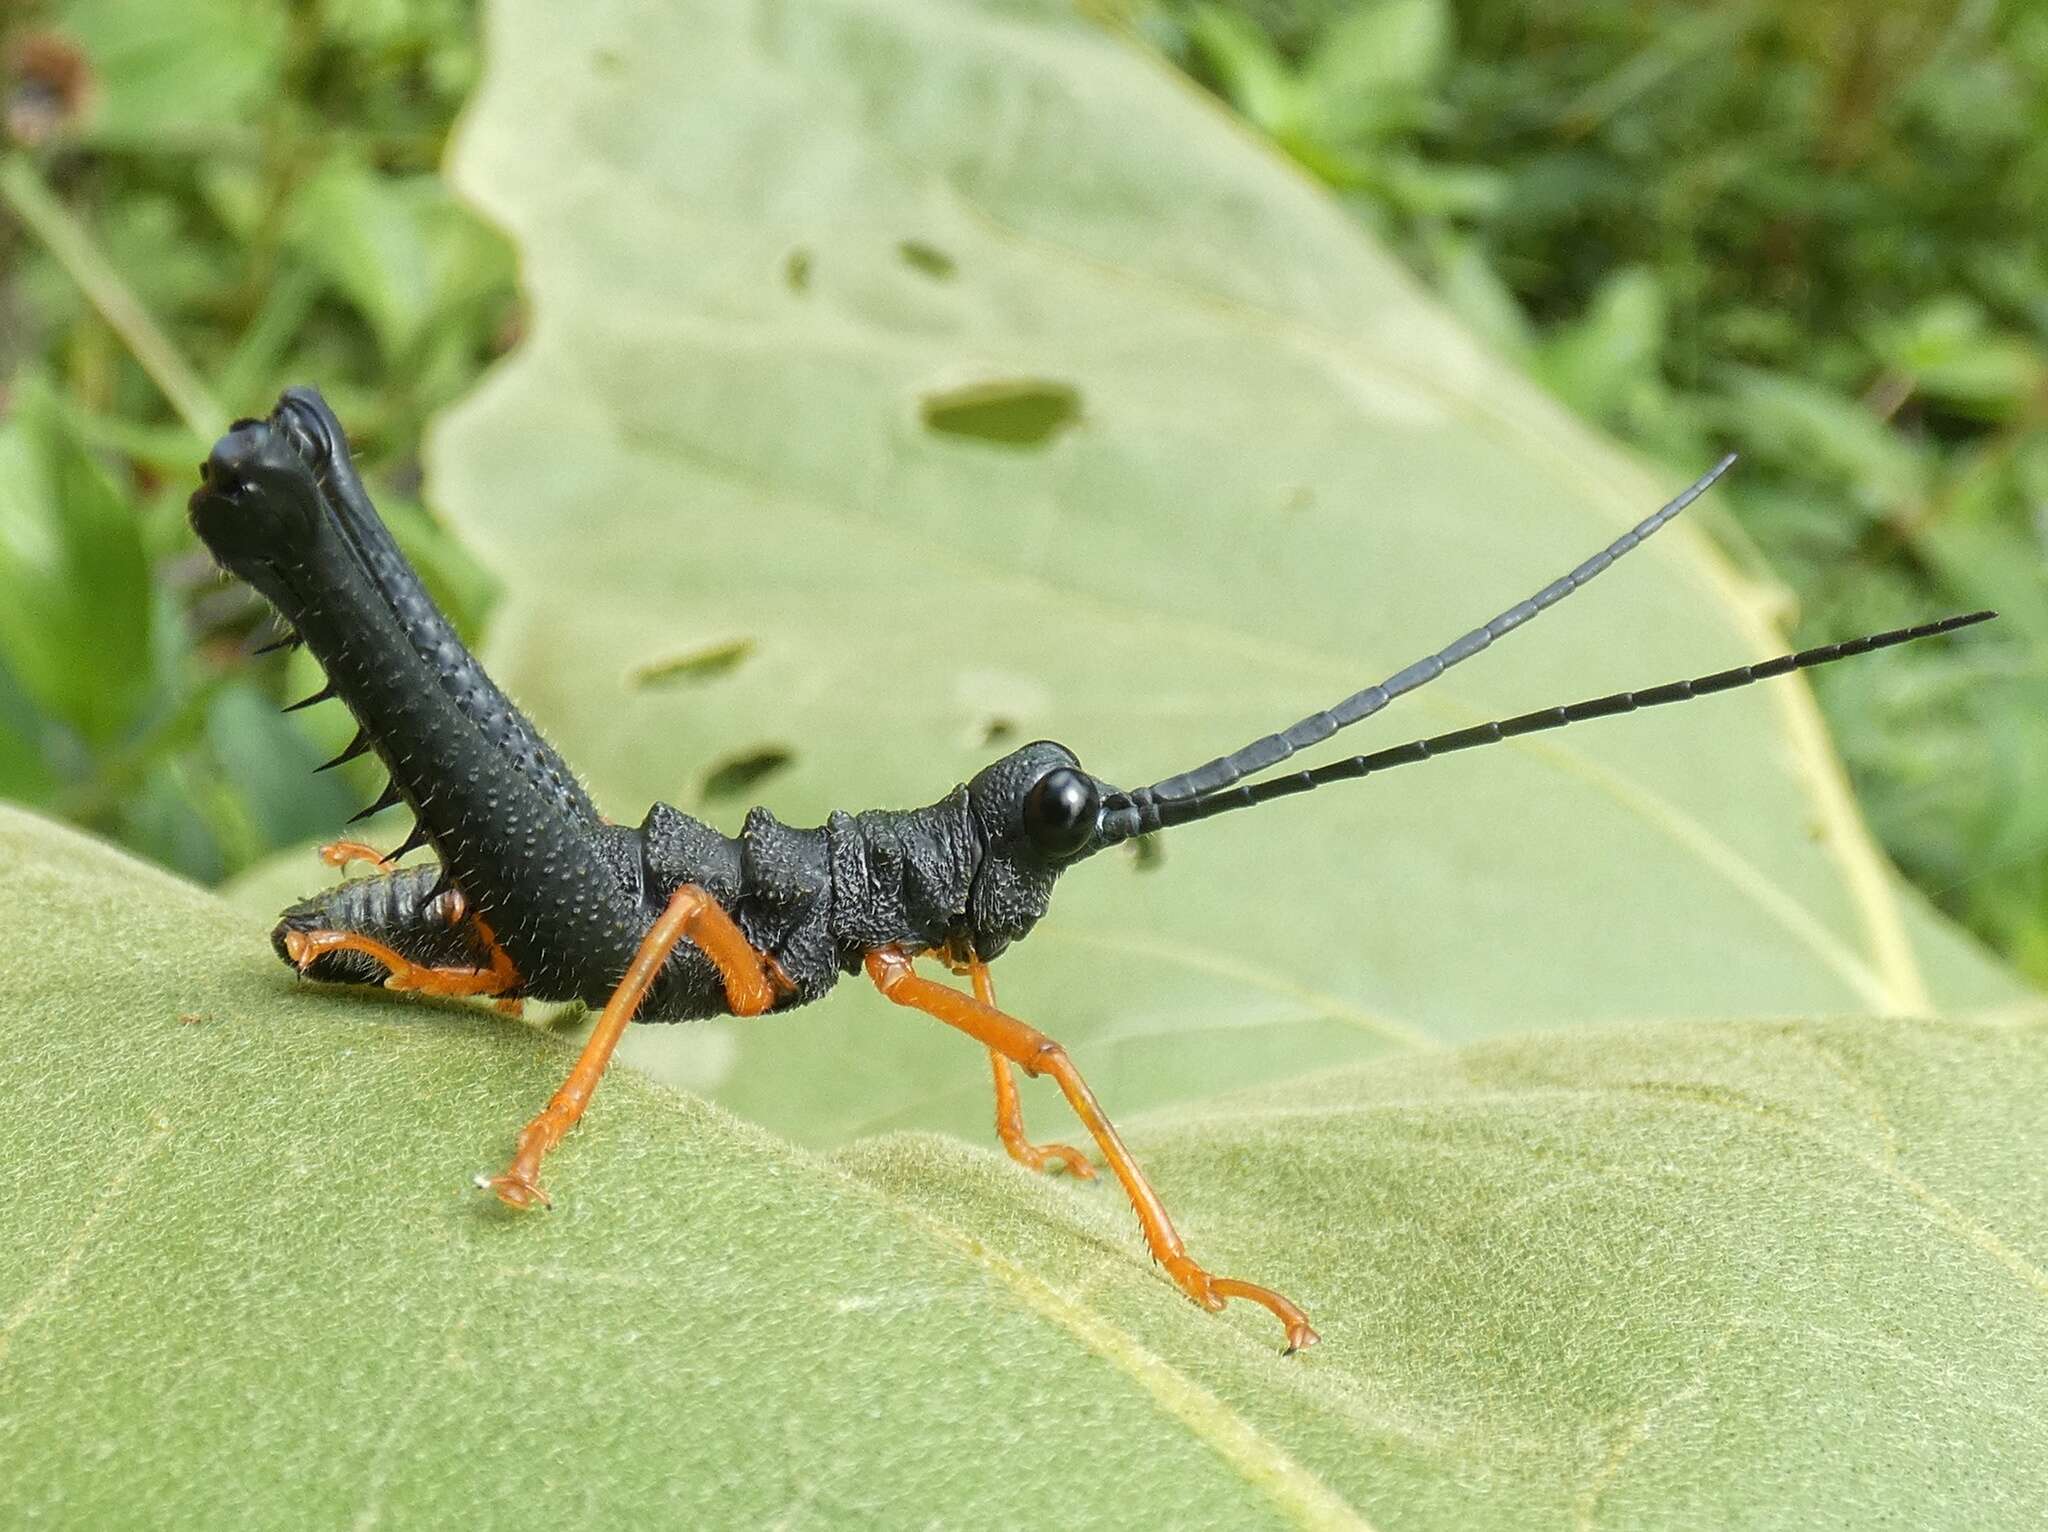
[(816, 900)]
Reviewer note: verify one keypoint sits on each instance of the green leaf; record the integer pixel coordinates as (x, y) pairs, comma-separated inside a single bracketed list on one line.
[(1653, 1276), (1242, 59), (75, 598), (1373, 67), (1432, 190), (1611, 354), (1474, 291), (1948, 349), (175, 76), (397, 249), (1281, 474), (1802, 423)]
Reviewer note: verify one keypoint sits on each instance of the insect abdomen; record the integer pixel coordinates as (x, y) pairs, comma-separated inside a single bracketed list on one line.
[(432, 636), (528, 862), (773, 879)]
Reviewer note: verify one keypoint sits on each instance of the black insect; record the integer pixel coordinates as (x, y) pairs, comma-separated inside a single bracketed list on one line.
[(535, 894)]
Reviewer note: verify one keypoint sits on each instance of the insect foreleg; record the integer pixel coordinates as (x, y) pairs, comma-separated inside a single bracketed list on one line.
[(890, 969), (753, 981)]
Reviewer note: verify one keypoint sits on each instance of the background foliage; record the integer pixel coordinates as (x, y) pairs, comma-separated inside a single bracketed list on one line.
[(210, 201), (1808, 232), (1816, 232)]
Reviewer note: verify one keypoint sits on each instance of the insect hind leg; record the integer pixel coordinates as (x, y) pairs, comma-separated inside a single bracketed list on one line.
[(753, 981)]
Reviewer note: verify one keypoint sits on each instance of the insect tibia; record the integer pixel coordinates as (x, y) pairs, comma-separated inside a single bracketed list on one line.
[(526, 865), (432, 637)]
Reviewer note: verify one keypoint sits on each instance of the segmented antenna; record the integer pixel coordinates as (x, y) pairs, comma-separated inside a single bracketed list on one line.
[(1275, 748), (1120, 824)]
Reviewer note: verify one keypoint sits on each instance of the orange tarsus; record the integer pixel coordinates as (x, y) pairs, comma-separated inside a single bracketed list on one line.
[(753, 983), (342, 852), (1009, 1111), (893, 974)]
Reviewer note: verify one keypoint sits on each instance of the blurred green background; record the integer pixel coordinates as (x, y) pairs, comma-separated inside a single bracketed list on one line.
[(1814, 232)]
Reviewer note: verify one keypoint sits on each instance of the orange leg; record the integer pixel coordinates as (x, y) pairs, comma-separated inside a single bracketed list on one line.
[(752, 983), (500, 959), (1009, 1113), (302, 947), (891, 970), (341, 852)]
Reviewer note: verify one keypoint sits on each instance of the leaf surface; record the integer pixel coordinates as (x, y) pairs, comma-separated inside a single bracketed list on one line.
[(1654, 1276)]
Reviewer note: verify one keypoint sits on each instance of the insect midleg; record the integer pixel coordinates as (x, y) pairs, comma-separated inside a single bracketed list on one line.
[(1009, 1111), (890, 969), (752, 982)]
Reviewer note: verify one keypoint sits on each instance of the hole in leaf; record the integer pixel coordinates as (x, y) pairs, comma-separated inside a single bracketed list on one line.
[(929, 259), (796, 270), (704, 663), (1013, 412), (740, 774)]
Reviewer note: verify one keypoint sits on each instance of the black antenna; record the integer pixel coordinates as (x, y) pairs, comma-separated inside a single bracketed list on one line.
[(1275, 748), (1122, 823)]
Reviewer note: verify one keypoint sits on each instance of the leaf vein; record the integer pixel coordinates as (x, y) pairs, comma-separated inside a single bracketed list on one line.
[(81, 1241)]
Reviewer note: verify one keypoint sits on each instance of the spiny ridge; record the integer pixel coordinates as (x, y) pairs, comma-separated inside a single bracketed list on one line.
[(391, 797), (355, 747)]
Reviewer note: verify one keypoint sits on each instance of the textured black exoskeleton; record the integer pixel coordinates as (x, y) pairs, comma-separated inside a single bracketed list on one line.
[(534, 885)]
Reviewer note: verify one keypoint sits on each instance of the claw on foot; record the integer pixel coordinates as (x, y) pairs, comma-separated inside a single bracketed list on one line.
[(1010, 1041), (1212, 1293), (1045, 1158), (514, 1190)]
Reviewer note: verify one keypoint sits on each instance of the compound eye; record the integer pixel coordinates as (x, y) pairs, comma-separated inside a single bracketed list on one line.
[(1060, 811)]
